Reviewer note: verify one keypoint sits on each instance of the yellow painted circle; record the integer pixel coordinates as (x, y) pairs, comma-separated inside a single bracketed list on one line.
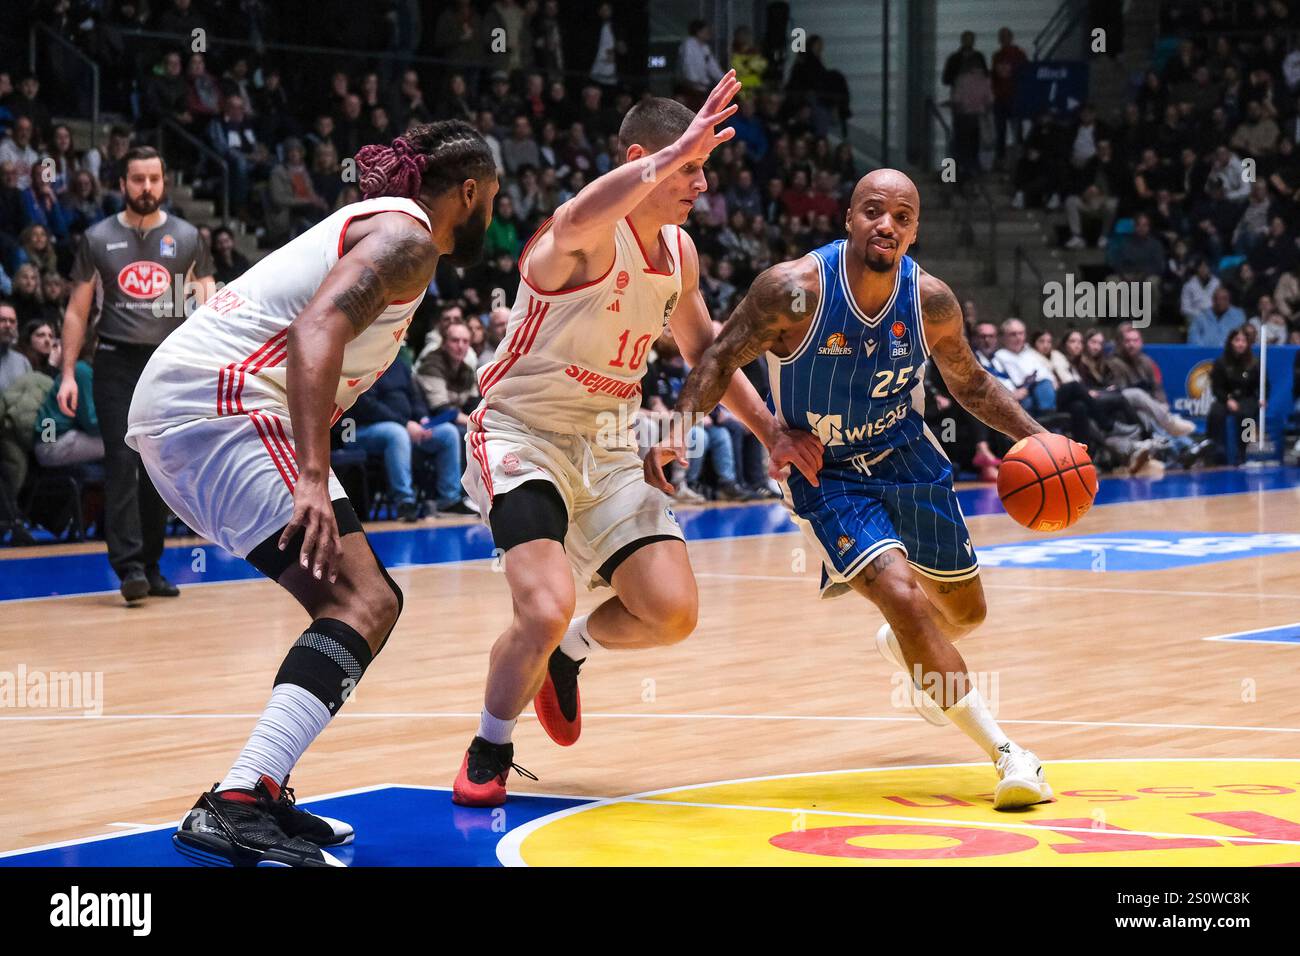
[(1106, 813)]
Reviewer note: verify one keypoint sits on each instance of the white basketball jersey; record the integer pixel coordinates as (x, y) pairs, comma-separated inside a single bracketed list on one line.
[(230, 356), (572, 360)]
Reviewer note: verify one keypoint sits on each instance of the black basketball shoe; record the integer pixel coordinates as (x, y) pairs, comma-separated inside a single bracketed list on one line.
[(297, 822), (239, 827)]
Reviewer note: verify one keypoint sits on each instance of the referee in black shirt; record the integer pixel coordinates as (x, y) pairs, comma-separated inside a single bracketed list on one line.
[(139, 258)]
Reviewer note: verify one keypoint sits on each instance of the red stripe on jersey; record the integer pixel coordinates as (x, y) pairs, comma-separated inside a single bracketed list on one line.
[(338, 413), (478, 442), (221, 387), (537, 324), (271, 451), (528, 317), (288, 445)]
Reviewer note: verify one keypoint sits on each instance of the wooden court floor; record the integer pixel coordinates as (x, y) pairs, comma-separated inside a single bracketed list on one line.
[(774, 681)]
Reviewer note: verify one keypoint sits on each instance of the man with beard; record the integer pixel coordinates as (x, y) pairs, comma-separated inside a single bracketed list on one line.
[(138, 258), (232, 418), (553, 464), (847, 331)]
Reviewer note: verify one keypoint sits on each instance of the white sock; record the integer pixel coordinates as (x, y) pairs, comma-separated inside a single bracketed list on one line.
[(971, 714), (495, 730), (577, 643), (293, 718)]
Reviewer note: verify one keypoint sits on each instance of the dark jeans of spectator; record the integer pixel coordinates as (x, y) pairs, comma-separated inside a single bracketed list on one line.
[(1002, 118), (1216, 424), (1089, 421), (966, 144), (135, 518), (748, 453)]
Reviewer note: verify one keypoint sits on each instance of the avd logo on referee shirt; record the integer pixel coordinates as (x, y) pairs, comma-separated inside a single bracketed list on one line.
[(143, 279)]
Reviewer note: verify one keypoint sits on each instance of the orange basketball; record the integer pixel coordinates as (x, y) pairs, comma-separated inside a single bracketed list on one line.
[(1047, 482)]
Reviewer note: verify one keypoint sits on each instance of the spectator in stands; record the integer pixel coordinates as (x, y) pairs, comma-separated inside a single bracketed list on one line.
[(234, 136), (41, 208), (965, 436), (1140, 257), (520, 149), (327, 174), (747, 60), (54, 292), (1197, 295), (450, 388), (1276, 253), (13, 364), (1033, 386), (1139, 379), (1212, 326), (36, 343), (203, 92), (392, 418), (1234, 380), (82, 204), (25, 103), (1253, 226), (26, 297), (697, 68), (458, 36), (1258, 135), (1007, 61), (17, 148), (293, 203), (972, 98), (62, 440), (965, 58), (1101, 180), (228, 261), (1270, 324), (503, 232), (166, 94)]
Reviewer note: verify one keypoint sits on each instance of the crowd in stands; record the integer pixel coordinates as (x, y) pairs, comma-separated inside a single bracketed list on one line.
[(549, 105)]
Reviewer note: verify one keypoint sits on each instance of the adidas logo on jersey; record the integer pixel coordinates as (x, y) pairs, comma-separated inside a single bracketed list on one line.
[(836, 344), (613, 307)]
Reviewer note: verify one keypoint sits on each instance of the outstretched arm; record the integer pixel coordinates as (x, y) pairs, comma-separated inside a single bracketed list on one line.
[(394, 261), (975, 389), (583, 226)]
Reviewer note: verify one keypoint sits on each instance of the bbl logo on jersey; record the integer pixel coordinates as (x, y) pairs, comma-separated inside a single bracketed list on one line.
[(899, 347), (669, 306), (167, 247), (836, 344)]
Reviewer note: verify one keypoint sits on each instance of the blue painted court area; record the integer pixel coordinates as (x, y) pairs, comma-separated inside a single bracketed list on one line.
[(1282, 634), (1136, 550), (37, 577), (396, 826)]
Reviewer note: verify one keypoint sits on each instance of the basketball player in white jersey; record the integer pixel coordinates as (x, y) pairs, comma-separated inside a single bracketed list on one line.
[(552, 463), (231, 419)]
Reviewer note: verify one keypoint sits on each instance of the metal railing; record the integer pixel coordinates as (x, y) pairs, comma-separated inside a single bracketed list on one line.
[(977, 196), (1059, 26), (68, 46), (1021, 260), (169, 127)]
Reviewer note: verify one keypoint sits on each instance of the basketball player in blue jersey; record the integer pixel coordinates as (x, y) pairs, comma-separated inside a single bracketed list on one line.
[(847, 331)]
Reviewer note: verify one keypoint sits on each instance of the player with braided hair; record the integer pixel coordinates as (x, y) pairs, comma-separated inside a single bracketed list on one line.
[(232, 418)]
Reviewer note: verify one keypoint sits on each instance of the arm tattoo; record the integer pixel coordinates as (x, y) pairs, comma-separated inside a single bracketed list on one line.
[(767, 310), (401, 263), (975, 389)]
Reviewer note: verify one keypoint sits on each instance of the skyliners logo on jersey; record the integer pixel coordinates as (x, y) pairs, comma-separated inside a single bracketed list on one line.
[(837, 344), (899, 347), (594, 382), (1138, 550)]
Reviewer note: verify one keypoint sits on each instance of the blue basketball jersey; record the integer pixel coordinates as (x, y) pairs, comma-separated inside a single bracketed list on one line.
[(856, 381)]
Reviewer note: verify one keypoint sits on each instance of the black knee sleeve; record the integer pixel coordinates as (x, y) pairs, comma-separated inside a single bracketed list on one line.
[(531, 512), (327, 661)]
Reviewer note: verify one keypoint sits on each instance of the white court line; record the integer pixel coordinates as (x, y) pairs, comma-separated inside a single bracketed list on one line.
[(150, 827), (463, 715), (509, 846)]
